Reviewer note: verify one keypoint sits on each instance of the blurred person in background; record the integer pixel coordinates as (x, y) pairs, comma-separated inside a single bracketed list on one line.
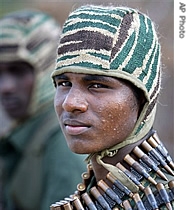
[(34, 158), (108, 79)]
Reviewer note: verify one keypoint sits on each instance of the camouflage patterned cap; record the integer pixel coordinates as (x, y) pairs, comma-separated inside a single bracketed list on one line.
[(31, 36)]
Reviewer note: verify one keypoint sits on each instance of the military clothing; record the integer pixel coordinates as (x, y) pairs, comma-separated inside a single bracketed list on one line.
[(35, 164), (149, 184)]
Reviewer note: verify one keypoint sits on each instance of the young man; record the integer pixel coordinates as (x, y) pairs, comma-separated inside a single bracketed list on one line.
[(33, 154), (107, 79)]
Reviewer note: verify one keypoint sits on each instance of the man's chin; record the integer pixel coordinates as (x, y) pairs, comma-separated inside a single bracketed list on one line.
[(16, 114)]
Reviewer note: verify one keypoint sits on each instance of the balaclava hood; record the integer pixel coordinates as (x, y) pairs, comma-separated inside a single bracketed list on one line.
[(117, 42), (32, 36)]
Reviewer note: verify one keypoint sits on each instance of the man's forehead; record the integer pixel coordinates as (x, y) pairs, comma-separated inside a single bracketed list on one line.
[(86, 77), (15, 63), (16, 67)]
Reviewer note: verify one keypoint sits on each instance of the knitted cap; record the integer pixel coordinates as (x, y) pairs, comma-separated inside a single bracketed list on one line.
[(31, 36), (114, 41)]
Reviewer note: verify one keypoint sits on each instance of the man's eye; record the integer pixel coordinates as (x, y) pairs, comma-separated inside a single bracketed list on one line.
[(98, 85), (18, 71), (64, 83)]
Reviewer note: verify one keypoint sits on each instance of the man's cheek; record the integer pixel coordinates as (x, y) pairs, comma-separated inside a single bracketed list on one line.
[(57, 102)]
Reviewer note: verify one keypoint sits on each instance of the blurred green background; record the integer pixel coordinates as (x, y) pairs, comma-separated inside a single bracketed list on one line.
[(160, 11)]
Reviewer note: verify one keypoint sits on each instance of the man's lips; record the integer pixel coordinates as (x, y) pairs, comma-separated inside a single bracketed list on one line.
[(74, 127), (10, 103)]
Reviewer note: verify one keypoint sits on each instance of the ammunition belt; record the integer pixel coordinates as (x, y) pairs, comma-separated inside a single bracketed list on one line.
[(148, 166)]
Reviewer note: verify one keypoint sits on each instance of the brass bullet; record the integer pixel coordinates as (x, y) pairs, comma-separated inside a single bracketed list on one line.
[(163, 193), (140, 154), (139, 168)]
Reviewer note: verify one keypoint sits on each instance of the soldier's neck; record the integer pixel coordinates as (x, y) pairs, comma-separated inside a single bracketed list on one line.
[(100, 172)]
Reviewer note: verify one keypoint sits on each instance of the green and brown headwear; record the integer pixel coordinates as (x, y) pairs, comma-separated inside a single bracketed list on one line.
[(114, 41), (31, 36)]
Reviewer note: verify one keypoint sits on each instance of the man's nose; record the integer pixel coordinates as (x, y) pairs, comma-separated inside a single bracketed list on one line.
[(7, 84), (75, 101)]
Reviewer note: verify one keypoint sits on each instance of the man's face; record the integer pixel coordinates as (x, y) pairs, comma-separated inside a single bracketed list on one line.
[(16, 84), (95, 112)]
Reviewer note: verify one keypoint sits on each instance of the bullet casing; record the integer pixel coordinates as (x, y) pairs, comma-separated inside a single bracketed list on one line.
[(78, 205), (88, 201), (127, 205), (130, 175), (122, 187), (97, 195), (138, 168), (109, 191), (164, 195), (151, 198), (138, 202)]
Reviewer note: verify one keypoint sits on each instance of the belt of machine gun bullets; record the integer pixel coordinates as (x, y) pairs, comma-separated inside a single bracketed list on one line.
[(151, 155)]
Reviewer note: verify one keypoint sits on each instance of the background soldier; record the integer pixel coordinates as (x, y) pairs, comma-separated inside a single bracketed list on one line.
[(35, 159)]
